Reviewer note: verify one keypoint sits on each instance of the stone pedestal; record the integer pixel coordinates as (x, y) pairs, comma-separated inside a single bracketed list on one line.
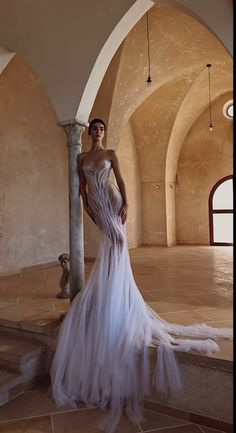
[(74, 130)]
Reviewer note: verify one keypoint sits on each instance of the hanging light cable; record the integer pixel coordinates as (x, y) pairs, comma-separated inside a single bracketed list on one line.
[(149, 80), (209, 93)]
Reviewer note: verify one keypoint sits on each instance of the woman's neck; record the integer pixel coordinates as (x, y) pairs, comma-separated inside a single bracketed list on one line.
[(97, 146)]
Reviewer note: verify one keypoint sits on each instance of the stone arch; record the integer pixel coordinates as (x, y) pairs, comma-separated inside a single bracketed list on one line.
[(127, 22), (190, 115), (5, 57), (77, 54), (188, 79), (110, 47), (186, 117)]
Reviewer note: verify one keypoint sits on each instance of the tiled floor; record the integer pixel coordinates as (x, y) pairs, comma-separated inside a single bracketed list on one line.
[(35, 412), (183, 284)]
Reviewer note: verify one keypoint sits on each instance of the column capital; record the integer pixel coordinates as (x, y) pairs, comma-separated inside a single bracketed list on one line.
[(72, 122), (74, 129)]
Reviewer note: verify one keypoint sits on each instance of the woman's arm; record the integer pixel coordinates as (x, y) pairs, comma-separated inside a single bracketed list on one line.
[(82, 186), (82, 180), (121, 185)]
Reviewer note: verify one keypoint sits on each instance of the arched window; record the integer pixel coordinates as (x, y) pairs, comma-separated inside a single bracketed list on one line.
[(228, 110), (221, 212)]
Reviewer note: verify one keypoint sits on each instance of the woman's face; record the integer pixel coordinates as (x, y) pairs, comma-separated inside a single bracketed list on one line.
[(97, 131)]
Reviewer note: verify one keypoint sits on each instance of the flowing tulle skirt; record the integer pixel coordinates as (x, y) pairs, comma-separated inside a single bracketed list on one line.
[(102, 356)]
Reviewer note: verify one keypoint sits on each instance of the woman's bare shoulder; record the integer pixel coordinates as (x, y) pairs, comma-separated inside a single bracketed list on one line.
[(81, 156), (111, 152)]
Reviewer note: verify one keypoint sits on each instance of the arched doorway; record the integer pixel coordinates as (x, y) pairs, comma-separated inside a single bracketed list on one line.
[(221, 212)]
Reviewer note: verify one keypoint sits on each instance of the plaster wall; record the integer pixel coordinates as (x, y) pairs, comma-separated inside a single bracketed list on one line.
[(216, 15), (153, 213), (205, 158), (152, 124), (33, 172)]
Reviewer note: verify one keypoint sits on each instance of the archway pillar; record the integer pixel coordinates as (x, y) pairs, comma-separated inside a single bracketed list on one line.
[(74, 130)]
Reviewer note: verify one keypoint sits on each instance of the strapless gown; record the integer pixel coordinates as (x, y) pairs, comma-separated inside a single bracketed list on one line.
[(102, 353)]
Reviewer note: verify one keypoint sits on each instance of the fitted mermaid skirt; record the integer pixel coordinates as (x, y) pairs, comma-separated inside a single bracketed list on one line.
[(102, 354)]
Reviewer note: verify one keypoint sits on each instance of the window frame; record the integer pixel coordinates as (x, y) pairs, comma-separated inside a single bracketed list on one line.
[(217, 211), (226, 108)]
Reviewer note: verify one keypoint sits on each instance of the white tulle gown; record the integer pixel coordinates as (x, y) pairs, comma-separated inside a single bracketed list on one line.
[(102, 354)]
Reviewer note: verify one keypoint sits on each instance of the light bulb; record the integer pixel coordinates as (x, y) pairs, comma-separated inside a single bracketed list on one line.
[(149, 80), (210, 127)]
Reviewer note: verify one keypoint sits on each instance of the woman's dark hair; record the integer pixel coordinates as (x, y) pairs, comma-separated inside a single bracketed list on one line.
[(96, 121)]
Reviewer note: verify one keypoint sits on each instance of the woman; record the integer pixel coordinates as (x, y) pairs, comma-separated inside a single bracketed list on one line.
[(102, 356)]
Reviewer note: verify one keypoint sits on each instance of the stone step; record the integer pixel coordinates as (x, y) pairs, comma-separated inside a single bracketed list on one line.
[(9, 381), (21, 363), (21, 317), (16, 353)]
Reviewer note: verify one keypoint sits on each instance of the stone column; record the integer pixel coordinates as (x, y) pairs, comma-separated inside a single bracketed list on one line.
[(74, 130)]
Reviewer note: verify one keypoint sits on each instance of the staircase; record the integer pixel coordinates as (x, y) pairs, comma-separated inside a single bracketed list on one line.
[(21, 363)]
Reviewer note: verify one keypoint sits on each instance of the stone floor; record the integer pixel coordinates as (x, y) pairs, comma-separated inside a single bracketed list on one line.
[(35, 412), (183, 284)]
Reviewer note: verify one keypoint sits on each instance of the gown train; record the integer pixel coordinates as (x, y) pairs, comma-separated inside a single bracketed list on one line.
[(102, 354)]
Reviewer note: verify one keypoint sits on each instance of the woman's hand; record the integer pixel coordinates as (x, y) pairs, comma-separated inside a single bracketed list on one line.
[(124, 213)]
